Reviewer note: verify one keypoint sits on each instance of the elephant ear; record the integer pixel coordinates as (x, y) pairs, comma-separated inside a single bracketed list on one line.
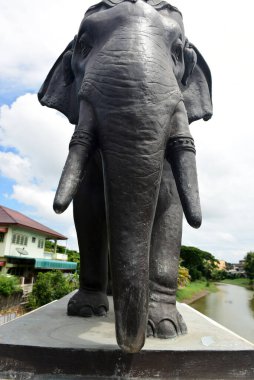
[(59, 89), (196, 85)]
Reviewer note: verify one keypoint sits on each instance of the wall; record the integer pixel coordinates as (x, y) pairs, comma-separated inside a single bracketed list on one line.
[(2, 246), (5, 245), (32, 247), (60, 256)]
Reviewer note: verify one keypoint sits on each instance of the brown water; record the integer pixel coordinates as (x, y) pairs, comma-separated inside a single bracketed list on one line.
[(232, 306)]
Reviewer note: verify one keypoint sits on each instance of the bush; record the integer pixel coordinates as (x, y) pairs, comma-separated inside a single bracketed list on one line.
[(249, 265), (183, 277), (9, 285), (218, 275), (49, 287)]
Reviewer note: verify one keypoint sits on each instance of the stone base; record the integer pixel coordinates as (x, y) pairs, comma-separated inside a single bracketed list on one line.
[(48, 344)]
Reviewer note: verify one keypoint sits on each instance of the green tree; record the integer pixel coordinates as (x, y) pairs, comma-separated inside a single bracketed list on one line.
[(50, 286), (199, 263), (74, 257), (249, 265), (9, 285), (49, 246)]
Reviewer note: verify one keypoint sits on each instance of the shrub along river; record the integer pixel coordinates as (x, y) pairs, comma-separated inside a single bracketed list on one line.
[(232, 306)]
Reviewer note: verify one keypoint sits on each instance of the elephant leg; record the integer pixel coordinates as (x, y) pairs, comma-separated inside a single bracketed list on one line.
[(164, 321), (90, 223)]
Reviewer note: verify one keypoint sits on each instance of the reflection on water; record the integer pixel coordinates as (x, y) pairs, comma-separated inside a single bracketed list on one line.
[(232, 306)]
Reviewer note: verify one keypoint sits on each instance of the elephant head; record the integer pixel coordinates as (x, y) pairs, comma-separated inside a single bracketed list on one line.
[(132, 83)]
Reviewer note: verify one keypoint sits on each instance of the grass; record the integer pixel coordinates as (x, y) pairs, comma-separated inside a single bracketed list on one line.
[(245, 282), (193, 289)]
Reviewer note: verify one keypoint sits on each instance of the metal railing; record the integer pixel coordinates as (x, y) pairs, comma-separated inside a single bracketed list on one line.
[(7, 318)]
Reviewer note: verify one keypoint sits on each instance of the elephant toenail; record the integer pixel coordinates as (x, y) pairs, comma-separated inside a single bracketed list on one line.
[(72, 310), (100, 311), (150, 328), (166, 330), (149, 331), (86, 312)]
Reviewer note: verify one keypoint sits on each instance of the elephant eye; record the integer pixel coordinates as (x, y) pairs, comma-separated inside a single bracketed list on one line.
[(177, 52), (84, 45)]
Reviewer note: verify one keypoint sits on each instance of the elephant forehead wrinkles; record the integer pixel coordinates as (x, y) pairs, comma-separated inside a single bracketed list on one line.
[(157, 4), (117, 85), (126, 31), (123, 13), (139, 57)]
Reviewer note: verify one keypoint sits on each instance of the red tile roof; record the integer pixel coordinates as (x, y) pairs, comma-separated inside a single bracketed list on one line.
[(12, 217)]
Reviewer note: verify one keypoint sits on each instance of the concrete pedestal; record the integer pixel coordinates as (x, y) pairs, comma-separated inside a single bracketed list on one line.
[(48, 344)]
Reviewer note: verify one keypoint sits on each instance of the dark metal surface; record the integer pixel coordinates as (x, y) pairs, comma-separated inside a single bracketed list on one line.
[(44, 363), (131, 82)]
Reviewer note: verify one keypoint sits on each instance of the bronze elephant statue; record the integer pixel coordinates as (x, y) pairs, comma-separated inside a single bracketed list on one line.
[(132, 83)]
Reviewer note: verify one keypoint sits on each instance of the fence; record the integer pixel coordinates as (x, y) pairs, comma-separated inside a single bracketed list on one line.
[(16, 301), (7, 318)]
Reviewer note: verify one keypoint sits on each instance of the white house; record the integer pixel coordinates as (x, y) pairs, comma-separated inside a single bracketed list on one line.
[(22, 243)]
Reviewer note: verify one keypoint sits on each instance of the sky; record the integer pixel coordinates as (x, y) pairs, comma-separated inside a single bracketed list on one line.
[(34, 139)]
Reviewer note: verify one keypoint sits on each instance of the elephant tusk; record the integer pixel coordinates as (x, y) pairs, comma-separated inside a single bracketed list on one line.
[(181, 155), (71, 177), (82, 146)]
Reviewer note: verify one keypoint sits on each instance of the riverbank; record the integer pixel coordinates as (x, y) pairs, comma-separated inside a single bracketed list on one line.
[(195, 290), (244, 282)]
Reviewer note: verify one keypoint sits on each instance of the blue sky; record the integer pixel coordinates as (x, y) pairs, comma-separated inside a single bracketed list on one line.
[(10, 91), (34, 139)]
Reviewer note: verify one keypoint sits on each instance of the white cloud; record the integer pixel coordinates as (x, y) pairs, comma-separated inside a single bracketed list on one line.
[(34, 34), (15, 167), (39, 134)]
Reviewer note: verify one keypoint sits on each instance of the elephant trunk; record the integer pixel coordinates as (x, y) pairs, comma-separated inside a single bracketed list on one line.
[(132, 186)]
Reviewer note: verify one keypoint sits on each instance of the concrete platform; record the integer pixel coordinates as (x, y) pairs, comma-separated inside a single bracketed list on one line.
[(48, 344)]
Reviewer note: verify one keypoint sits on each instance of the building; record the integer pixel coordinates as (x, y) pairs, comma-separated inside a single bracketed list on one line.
[(237, 269), (22, 246), (221, 265)]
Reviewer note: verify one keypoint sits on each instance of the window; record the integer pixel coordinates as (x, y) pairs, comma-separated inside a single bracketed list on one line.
[(33, 239), (19, 239), (1, 237), (40, 243)]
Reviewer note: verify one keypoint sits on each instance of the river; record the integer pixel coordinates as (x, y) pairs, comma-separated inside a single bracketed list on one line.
[(232, 306)]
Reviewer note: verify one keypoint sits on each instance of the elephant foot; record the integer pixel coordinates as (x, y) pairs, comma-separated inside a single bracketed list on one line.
[(165, 321), (87, 303)]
